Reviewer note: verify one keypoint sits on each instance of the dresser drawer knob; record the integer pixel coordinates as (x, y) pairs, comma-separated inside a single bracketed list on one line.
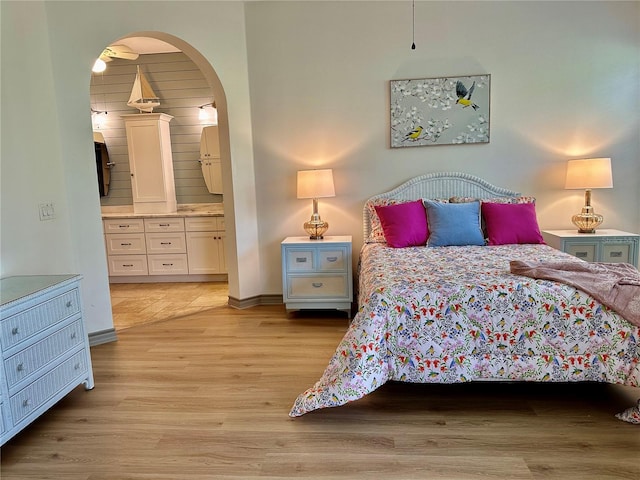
[(617, 254), (167, 264), (125, 244), (69, 303), (74, 335), (26, 402), (124, 226), (165, 243), (332, 259), (15, 331), (301, 259), (163, 225), (20, 367), (76, 366), (316, 284)]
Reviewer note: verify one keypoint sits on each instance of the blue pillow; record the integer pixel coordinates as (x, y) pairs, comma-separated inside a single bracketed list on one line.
[(453, 224)]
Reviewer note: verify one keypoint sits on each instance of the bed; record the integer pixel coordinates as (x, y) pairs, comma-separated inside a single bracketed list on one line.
[(449, 313)]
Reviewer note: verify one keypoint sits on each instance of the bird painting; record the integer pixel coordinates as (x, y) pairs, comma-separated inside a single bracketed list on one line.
[(414, 134), (464, 95)]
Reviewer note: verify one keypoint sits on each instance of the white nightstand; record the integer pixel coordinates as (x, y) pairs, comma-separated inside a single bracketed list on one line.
[(611, 246), (316, 274)]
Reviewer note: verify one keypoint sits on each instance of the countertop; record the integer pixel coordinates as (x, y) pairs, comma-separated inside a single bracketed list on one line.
[(184, 210)]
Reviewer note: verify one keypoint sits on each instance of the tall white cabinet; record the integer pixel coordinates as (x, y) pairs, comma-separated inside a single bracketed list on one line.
[(151, 162), (210, 159)]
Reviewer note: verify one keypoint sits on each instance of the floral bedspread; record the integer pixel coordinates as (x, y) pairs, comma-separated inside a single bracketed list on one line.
[(456, 314)]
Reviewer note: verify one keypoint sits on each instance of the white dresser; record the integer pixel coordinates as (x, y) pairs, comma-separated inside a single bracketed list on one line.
[(316, 274), (43, 344), (605, 245)]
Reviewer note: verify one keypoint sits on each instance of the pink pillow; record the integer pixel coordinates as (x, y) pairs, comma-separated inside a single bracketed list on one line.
[(511, 223), (405, 224)]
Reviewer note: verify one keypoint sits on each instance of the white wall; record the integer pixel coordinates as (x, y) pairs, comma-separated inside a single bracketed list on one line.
[(306, 84), (565, 84)]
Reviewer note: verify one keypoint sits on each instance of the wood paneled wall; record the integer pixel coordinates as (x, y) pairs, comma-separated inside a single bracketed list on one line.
[(182, 88)]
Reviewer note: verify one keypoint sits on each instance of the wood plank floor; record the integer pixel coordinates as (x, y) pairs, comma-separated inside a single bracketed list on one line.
[(206, 395)]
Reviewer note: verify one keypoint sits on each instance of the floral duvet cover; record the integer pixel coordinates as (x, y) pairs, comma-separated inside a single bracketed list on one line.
[(456, 314)]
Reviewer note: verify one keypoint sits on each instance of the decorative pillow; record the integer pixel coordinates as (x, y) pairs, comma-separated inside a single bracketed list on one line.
[(521, 199), (376, 234), (404, 224), (453, 224), (511, 223)]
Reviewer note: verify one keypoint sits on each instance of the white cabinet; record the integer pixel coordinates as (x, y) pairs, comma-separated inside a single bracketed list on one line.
[(156, 246), (205, 244), (210, 159), (609, 246), (151, 162), (43, 345), (316, 274)]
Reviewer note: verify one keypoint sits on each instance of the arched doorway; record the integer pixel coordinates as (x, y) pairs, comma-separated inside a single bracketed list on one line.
[(182, 105)]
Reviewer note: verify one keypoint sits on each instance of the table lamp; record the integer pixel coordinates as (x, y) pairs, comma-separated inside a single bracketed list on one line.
[(316, 184), (588, 173)]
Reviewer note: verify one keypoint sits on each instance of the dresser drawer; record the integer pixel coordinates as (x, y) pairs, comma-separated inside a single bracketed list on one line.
[(124, 225), (123, 244), (30, 398), (300, 261), (33, 358), (21, 326), (123, 265), (164, 225), (318, 286), (166, 243), (168, 264), (332, 260), (203, 224)]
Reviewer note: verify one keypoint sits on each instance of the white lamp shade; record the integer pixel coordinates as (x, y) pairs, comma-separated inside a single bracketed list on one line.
[(316, 183), (589, 173)]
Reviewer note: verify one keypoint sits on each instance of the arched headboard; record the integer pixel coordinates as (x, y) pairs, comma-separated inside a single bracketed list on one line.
[(438, 185)]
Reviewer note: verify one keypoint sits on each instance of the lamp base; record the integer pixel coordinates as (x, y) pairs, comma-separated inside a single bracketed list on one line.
[(587, 222), (316, 229)]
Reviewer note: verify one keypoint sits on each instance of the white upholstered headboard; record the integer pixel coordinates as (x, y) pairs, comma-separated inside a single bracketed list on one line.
[(438, 185)]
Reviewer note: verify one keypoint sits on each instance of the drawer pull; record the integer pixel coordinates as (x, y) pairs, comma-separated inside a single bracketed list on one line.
[(26, 402), (301, 259), (124, 226), (76, 366), (69, 303), (167, 264), (317, 284), (582, 254), (332, 259), (125, 244), (15, 331), (74, 335), (615, 254), (20, 367), (127, 264), (163, 225), (165, 243)]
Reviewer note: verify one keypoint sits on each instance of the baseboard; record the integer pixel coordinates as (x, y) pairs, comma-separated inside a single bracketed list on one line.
[(213, 277), (103, 336), (255, 301)]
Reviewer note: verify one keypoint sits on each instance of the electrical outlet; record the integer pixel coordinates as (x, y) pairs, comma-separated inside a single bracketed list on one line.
[(47, 211)]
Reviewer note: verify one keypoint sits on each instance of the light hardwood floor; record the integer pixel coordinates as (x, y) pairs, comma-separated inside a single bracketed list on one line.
[(206, 395)]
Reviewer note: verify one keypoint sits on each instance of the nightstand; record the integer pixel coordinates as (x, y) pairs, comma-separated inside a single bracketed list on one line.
[(610, 246), (316, 274)]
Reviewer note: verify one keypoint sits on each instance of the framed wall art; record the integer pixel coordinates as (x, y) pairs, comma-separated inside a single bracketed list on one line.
[(440, 111)]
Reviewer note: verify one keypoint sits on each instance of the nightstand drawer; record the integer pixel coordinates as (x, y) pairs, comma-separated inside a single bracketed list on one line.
[(616, 253), (300, 261), (332, 260), (582, 251), (318, 286)]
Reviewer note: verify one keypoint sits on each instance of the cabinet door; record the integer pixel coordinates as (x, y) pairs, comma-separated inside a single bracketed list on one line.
[(209, 142), (205, 252)]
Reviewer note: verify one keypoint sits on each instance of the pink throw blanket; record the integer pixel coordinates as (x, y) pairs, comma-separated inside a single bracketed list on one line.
[(615, 285)]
